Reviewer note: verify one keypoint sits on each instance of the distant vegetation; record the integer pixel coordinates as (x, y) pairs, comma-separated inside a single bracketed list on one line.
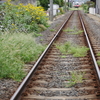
[(44, 3), (87, 5)]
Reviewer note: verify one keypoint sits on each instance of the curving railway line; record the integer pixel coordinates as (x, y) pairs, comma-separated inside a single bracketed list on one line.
[(52, 78)]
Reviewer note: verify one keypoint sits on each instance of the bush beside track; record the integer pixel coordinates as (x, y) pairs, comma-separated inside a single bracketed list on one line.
[(19, 26), (23, 18), (15, 51)]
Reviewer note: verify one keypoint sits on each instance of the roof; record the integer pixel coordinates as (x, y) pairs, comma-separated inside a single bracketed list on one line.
[(2, 1)]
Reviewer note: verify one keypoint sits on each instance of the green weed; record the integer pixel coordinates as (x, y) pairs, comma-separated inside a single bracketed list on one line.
[(73, 31), (63, 47), (76, 77), (78, 32), (76, 51), (52, 30), (98, 62), (68, 30), (63, 56), (98, 54), (37, 34), (41, 39)]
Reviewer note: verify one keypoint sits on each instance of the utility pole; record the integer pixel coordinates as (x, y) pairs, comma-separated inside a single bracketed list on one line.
[(51, 10), (65, 5)]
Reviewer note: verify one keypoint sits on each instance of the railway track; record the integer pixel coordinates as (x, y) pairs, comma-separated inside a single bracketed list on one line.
[(61, 76)]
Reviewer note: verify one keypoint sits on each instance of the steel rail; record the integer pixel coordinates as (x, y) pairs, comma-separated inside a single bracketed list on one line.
[(17, 94), (91, 50)]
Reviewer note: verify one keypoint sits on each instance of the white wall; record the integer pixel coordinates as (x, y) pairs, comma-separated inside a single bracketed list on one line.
[(66, 0), (98, 6)]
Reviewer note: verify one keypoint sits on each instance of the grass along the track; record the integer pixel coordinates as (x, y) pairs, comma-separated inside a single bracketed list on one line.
[(15, 51), (76, 51), (73, 8)]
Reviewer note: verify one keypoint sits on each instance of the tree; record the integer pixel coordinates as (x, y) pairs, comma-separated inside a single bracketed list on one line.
[(59, 2), (44, 3), (90, 3)]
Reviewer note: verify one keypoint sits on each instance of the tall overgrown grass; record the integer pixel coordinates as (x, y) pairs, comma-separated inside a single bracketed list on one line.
[(15, 51)]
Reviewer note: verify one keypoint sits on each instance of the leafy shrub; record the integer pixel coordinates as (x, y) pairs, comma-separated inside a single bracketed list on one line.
[(85, 8), (98, 62), (24, 18), (15, 50), (87, 5), (90, 3), (44, 3), (61, 10)]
